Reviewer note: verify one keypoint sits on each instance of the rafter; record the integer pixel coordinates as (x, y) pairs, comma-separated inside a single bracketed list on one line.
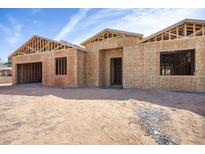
[(185, 28), (110, 34), (39, 44)]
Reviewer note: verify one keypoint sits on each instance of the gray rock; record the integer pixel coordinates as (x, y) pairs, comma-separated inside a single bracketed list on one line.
[(150, 120)]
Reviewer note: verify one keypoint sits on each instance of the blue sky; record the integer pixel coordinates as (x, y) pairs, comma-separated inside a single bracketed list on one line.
[(76, 25)]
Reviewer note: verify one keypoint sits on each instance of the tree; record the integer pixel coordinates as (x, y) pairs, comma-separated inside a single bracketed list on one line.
[(1, 62), (7, 64)]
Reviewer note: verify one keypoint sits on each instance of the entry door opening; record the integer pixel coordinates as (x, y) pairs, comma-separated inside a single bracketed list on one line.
[(29, 72), (116, 71)]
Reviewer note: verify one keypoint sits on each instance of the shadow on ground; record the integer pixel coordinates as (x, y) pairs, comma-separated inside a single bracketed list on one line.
[(194, 102)]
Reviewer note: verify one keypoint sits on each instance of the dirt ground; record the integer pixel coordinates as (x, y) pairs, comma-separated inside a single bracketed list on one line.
[(33, 114)]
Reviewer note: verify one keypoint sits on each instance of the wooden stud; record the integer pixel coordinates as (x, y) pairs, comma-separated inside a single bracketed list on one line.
[(169, 35), (162, 37), (177, 32), (194, 30), (185, 30)]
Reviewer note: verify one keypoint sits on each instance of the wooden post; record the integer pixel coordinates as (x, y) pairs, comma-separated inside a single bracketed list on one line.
[(185, 31), (177, 32), (194, 30), (169, 35), (162, 37), (203, 31)]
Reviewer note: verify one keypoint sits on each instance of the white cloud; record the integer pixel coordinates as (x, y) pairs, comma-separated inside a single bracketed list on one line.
[(74, 20), (12, 31), (145, 21), (148, 22)]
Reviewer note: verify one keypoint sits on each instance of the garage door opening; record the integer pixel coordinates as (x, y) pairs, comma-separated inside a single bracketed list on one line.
[(29, 72)]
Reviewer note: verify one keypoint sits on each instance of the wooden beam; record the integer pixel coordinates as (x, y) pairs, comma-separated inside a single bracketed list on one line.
[(185, 30), (194, 30), (177, 32), (31, 49), (58, 47), (194, 34), (169, 35), (44, 46)]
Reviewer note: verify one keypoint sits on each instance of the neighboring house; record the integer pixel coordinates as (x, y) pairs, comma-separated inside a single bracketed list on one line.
[(5, 71), (173, 59)]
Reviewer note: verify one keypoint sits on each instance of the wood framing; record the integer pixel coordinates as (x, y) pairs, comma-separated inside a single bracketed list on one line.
[(38, 44), (172, 59), (185, 28), (107, 34)]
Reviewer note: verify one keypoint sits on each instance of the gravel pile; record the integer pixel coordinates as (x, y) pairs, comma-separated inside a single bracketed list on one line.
[(151, 119)]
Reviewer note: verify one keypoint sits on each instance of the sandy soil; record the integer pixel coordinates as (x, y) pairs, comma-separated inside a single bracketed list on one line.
[(33, 114)]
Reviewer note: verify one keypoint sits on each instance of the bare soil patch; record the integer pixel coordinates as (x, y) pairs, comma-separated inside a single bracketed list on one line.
[(33, 114)]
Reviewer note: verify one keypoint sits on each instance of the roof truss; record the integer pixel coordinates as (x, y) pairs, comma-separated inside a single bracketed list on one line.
[(105, 36), (39, 44), (109, 34), (183, 29)]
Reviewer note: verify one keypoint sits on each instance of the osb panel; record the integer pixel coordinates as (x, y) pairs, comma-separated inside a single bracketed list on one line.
[(93, 69), (200, 61), (104, 65), (178, 44), (141, 64), (200, 41), (200, 83), (144, 63), (108, 56), (81, 68), (133, 67), (49, 77), (101, 71)]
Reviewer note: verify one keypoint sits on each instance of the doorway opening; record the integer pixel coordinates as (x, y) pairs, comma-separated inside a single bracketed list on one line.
[(116, 71)]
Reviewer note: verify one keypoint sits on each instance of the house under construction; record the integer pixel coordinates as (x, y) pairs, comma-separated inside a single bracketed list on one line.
[(173, 59)]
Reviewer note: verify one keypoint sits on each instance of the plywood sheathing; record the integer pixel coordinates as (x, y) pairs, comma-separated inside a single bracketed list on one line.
[(49, 77), (104, 64), (147, 56), (95, 56), (81, 68)]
